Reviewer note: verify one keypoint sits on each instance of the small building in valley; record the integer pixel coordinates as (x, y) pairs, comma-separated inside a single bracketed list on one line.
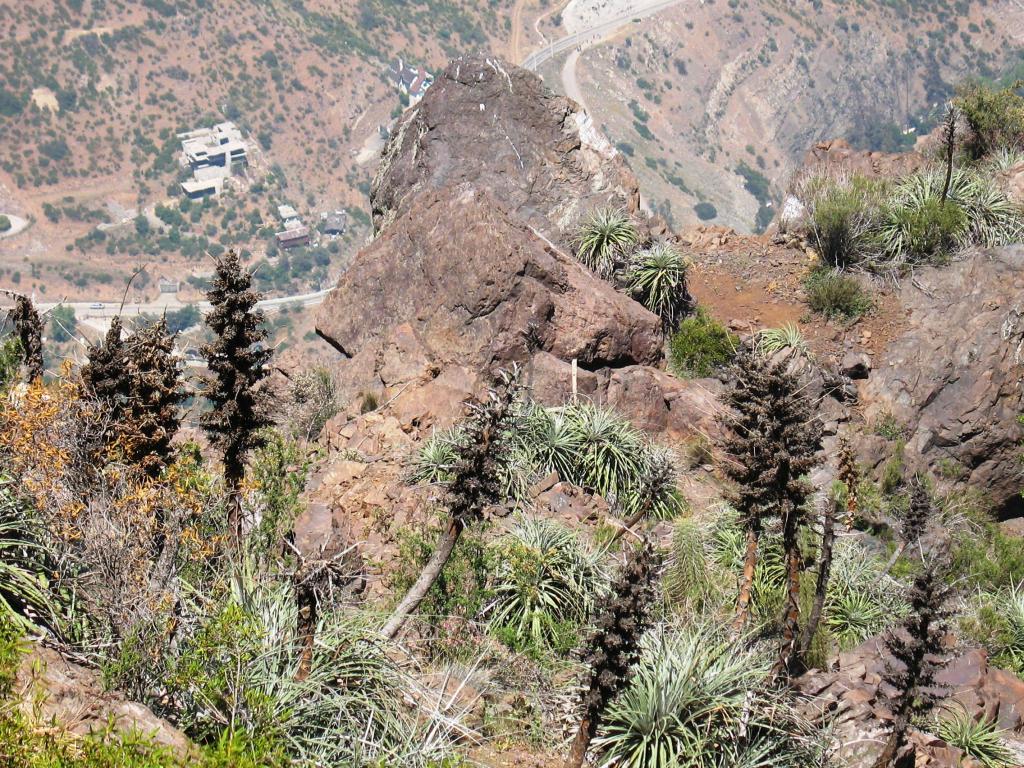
[(334, 223), (411, 81), (213, 154), (292, 238)]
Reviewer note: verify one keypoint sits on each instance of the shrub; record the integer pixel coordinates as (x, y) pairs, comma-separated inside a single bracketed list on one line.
[(700, 346), (705, 211), (544, 586), (313, 402), (979, 739), (604, 240), (917, 227), (456, 601), (996, 117), (924, 231), (834, 294), (698, 700), (5, 223), (657, 279), (63, 323), (842, 211)]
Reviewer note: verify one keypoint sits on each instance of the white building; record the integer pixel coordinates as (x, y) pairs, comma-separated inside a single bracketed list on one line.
[(212, 154)]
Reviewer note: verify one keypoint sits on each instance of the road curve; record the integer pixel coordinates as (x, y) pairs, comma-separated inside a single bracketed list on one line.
[(592, 34), (85, 310)]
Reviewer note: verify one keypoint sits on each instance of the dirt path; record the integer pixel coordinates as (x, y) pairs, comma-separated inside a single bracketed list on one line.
[(517, 31), (570, 84)]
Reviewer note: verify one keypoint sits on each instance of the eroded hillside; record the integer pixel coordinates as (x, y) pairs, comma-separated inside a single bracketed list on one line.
[(716, 102)]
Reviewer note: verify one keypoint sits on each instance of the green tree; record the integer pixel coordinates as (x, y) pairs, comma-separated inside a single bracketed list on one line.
[(238, 359), (995, 117)]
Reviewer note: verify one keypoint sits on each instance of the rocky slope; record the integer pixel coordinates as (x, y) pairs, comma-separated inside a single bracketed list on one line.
[(952, 379), (67, 698), (476, 199), (472, 271)]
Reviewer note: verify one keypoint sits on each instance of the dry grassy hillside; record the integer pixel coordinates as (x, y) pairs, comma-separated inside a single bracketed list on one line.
[(717, 102), (92, 93)]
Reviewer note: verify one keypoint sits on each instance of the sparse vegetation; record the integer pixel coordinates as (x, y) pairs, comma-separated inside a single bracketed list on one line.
[(700, 346), (836, 295), (926, 217)]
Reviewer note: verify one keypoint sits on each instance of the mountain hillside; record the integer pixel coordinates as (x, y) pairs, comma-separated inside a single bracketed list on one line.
[(716, 102), (92, 93)]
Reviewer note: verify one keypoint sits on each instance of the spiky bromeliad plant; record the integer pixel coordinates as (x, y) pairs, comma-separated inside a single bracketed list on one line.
[(547, 577), (475, 484), (597, 449), (604, 240), (697, 699), (657, 279), (786, 336), (615, 646), (917, 650), (23, 593), (238, 669), (772, 438), (978, 738), (237, 359), (29, 329), (918, 225)]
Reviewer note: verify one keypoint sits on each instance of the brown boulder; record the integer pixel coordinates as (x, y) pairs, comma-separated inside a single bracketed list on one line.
[(851, 696), (455, 282), (58, 693), (488, 125), (838, 154), (952, 379)]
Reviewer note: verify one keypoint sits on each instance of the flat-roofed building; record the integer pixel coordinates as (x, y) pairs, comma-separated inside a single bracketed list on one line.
[(222, 145)]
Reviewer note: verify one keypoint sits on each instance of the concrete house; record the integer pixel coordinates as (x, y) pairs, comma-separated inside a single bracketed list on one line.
[(213, 154)]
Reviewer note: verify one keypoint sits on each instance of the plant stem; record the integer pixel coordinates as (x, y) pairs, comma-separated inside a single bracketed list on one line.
[(426, 579)]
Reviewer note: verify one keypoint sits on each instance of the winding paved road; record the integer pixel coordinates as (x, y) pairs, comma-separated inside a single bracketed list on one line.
[(593, 34)]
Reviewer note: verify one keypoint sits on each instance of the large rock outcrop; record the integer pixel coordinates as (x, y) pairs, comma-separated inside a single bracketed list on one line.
[(952, 379), (489, 125), (456, 281), (472, 269)]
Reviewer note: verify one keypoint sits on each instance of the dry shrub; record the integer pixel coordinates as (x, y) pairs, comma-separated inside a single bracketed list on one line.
[(114, 536)]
